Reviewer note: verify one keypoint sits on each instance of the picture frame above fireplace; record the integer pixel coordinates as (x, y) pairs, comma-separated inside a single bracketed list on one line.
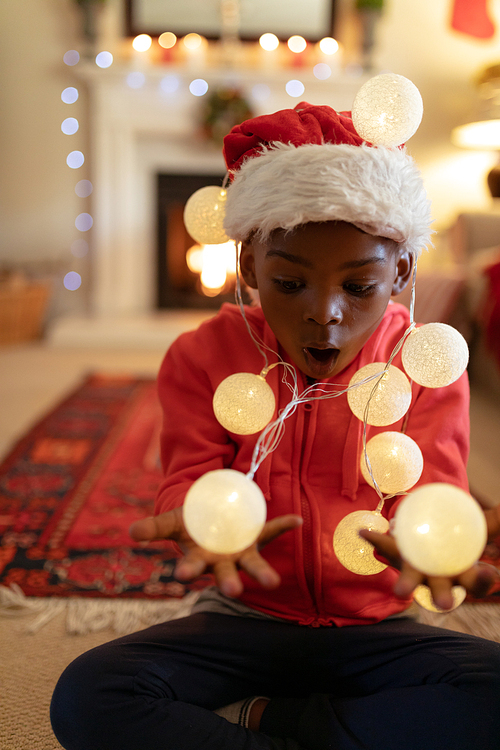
[(313, 19)]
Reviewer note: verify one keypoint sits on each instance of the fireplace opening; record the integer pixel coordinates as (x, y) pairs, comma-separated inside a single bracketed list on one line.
[(189, 275)]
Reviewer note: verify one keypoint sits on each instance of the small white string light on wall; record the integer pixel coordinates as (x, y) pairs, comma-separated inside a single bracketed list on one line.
[(75, 160)]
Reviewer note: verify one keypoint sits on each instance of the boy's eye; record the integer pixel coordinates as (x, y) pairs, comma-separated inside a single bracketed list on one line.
[(288, 286), (359, 289)]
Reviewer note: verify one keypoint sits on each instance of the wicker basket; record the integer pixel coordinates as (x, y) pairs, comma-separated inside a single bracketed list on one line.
[(22, 311)]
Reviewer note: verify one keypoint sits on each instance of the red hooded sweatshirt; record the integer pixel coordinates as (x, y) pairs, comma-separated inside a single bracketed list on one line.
[(314, 471)]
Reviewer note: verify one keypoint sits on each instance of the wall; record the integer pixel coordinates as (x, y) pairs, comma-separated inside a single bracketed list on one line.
[(415, 39), (38, 204)]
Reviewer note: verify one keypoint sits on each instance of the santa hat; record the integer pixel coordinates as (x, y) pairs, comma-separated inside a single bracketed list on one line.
[(309, 164)]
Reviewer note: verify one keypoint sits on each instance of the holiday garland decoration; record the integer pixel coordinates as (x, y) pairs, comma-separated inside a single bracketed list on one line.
[(387, 111)]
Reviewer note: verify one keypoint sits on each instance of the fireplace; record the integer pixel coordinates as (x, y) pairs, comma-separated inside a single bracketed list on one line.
[(138, 134)]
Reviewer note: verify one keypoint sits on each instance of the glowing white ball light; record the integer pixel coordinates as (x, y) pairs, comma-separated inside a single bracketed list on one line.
[(387, 110), (396, 462), (388, 402), (354, 552), (440, 529), (422, 595), (244, 403), (224, 511), (204, 215), (435, 355)]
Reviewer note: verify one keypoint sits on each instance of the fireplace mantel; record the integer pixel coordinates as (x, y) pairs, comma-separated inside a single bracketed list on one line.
[(137, 133)]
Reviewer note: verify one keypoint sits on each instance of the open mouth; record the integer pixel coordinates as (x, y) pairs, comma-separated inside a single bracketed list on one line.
[(320, 362), (322, 355)]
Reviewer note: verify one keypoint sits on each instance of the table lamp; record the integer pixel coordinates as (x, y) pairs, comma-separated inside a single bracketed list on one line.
[(483, 131)]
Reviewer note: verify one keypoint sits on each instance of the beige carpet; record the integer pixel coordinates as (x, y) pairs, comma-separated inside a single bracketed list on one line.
[(30, 666), (31, 662)]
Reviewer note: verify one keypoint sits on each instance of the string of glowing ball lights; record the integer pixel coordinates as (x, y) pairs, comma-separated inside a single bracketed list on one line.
[(225, 510)]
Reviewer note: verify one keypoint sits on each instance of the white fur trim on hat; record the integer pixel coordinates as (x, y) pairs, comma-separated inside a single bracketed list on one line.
[(377, 189)]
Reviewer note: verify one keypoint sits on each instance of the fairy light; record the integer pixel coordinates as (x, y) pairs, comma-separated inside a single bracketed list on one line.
[(322, 71), (423, 596), (136, 79), (198, 87), (204, 215), (69, 95), (387, 110), (104, 59), (70, 126), (167, 40), (383, 392), (84, 222), (294, 88), (244, 403), (71, 57), (355, 553), (83, 188), (328, 45), (224, 511), (142, 43), (269, 42), (394, 460), (169, 84), (440, 529), (435, 355), (75, 159), (297, 44), (192, 41), (72, 281)]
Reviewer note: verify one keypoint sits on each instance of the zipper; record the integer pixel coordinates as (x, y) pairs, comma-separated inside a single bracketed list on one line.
[(307, 536)]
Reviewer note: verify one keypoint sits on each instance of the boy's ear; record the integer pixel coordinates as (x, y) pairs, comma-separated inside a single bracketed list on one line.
[(404, 271), (247, 264)]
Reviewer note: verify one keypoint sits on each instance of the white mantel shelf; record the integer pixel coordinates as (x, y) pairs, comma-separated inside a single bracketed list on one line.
[(138, 133)]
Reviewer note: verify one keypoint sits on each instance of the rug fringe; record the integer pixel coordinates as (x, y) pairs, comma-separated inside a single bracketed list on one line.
[(85, 616), (125, 616)]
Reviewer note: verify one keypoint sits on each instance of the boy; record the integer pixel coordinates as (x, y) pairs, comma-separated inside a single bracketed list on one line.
[(329, 229)]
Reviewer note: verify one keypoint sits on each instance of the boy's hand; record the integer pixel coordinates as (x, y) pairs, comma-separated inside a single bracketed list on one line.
[(477, 580), (197, 560)]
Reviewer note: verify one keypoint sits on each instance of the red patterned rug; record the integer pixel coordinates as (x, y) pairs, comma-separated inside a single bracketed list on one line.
[(70, 489)]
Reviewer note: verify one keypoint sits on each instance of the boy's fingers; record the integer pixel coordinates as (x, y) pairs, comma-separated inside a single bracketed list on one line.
[(255, 565), (278, 526), (227, 577), (408, 580), (385, 546), (479, 579), (440, 588), (164, 526), (189, 567)]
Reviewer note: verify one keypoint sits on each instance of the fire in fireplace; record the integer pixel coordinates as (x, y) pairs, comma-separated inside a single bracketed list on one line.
[(189, 275)]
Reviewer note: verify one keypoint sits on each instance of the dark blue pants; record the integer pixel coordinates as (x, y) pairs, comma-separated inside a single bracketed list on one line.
[(396, 685)]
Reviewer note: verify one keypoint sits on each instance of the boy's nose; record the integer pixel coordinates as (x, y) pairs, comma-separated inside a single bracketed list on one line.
[(324, 310)]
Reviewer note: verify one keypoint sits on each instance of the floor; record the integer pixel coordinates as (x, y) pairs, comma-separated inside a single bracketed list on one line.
[(35, 376)]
